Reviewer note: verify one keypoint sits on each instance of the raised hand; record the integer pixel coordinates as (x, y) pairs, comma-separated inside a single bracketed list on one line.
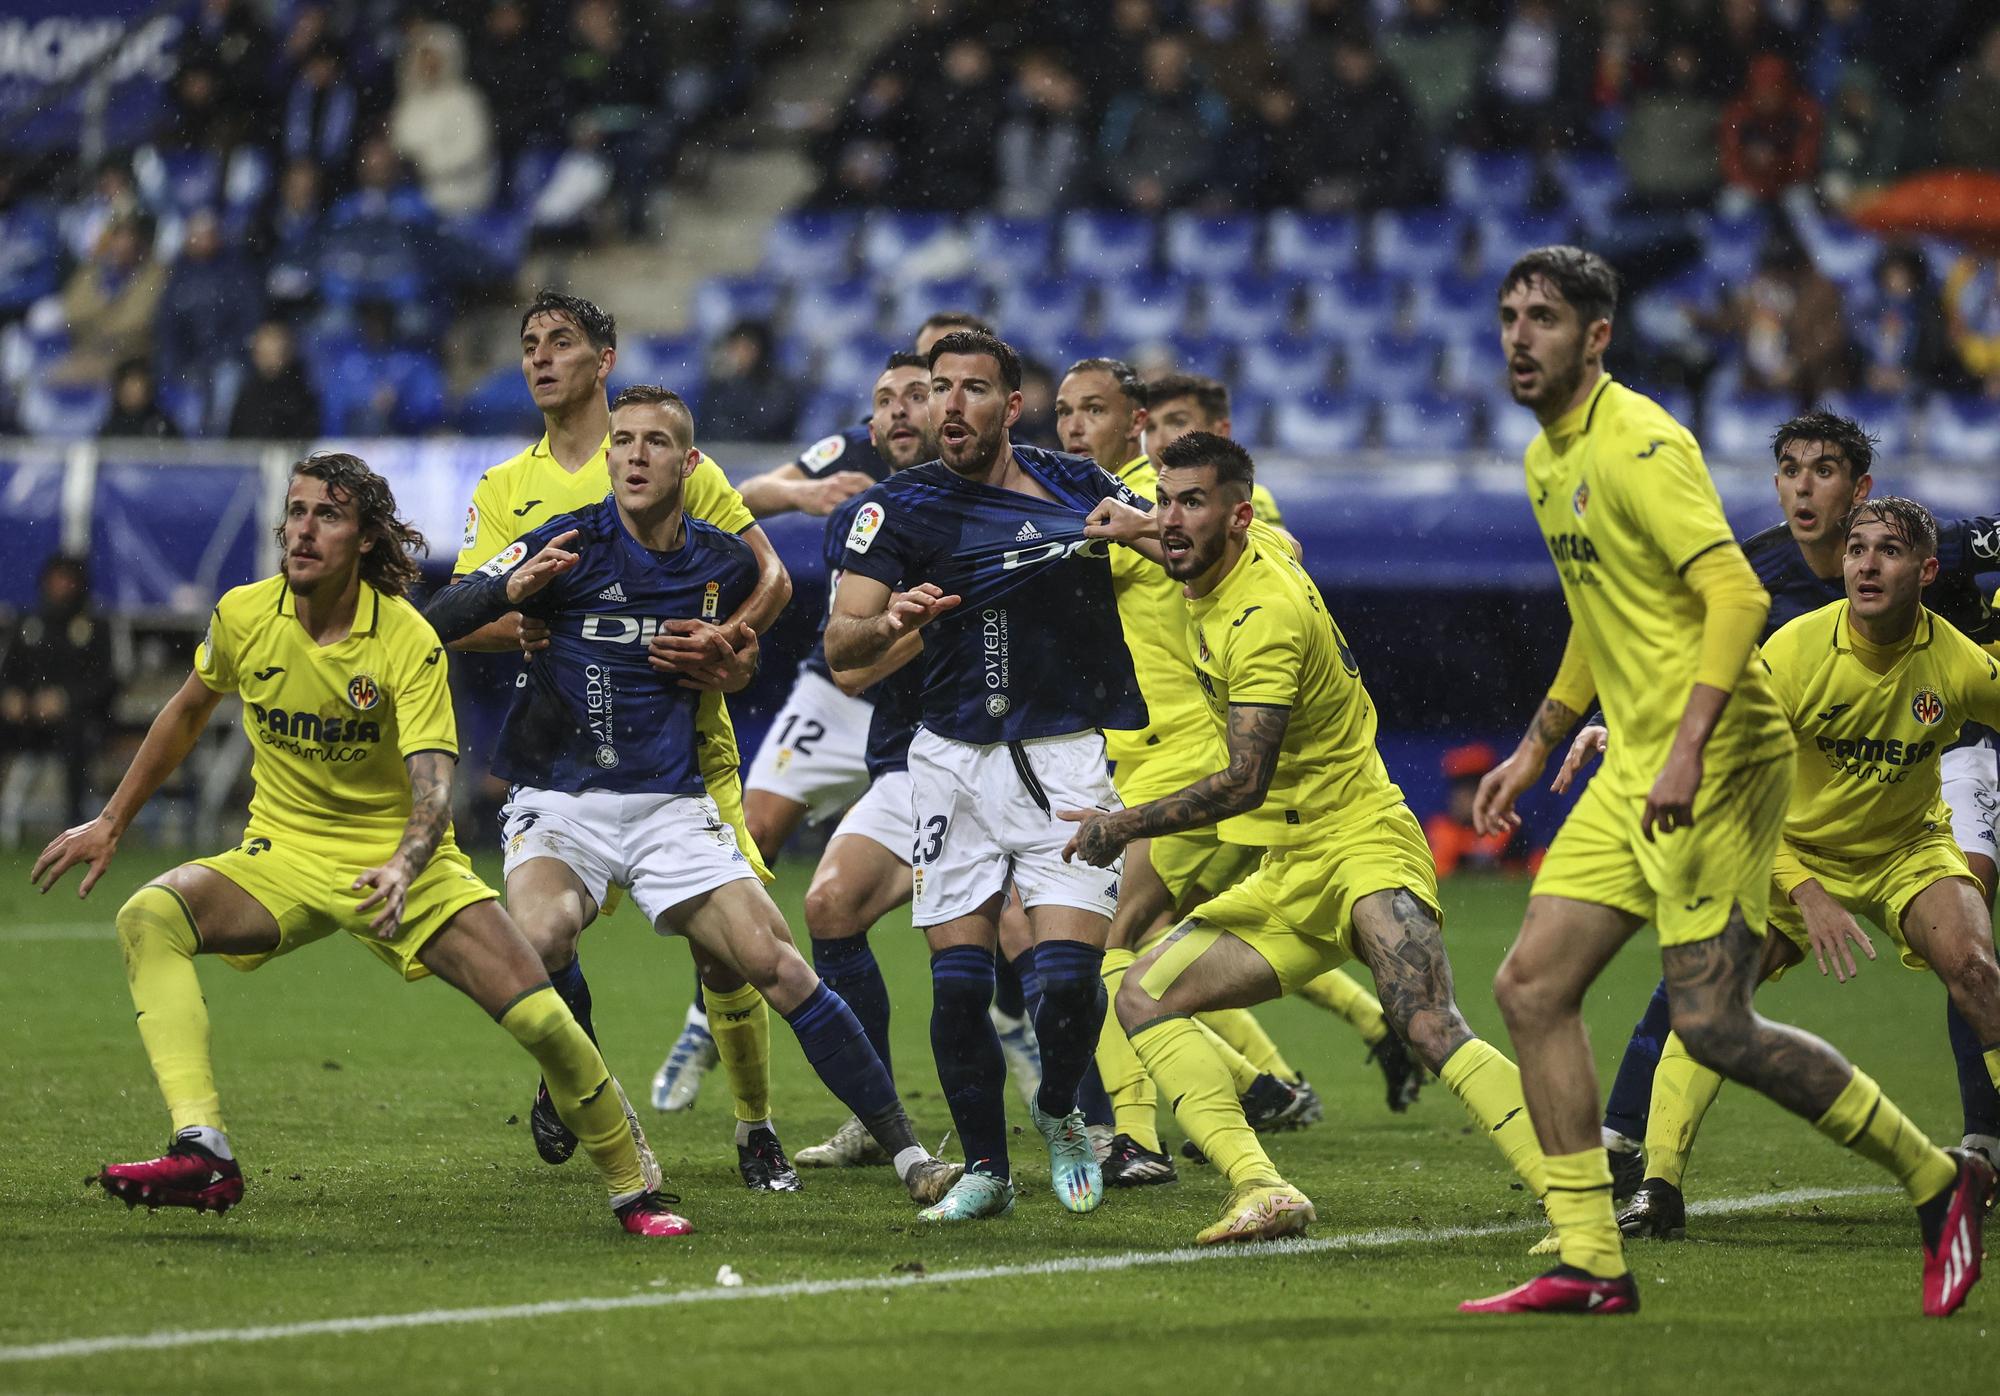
[(544, 567)]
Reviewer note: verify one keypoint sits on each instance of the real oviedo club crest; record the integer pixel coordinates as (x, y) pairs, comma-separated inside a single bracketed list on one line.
[(362, 692)]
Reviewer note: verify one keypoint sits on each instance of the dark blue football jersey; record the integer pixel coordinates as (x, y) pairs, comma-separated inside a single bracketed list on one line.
[(847, 449), (1034, 648), (898, 698), (590, 713)]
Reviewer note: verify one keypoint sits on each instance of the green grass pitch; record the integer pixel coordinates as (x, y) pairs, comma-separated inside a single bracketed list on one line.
[(382, 1129)]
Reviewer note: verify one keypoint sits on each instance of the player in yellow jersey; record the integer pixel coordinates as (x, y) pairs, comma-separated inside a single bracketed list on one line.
[(1876, 688), (1347, 872), (568, 349), (1681, 825), (352, 745)]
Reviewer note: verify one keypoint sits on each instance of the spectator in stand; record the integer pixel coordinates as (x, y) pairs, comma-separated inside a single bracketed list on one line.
[(1744, 34), (201, 118), (30, 247), (1036, 425), (109, 303), (1437, 52), (135, 405), (58, 682), (1044, 138), (114, 194), (227, 38), (211, 302), (1864, 138), (1841, 40), (857, 151), (950, 147), (1626, 63), (382, 194), (1972, 318), (1770, 137), (1789, 326), (377, 387), (276, 401), (1454, 845), (1371, 149), (440, 123), (1969, 113), (1900, 328), (1527, 87), (1668, 145), (744, 397), (289, 239), (611, 73), (509, 62), (1281, 156), (320, 113), (1159, 144), (567, 205)]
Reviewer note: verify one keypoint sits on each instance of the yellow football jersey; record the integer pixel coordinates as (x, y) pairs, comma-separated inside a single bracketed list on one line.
[(330, 725), (1625, 503), (1263, 636), (1867, 780)]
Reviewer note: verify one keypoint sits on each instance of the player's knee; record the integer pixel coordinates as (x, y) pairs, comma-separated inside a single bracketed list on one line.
[(154, 916), (1134, 1005), (1972, 976), (1526, 1000), (831, 913), (551, 934)]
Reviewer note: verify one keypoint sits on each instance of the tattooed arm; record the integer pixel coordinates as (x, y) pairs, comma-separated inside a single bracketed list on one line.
[(430, 816), (1256, 733)]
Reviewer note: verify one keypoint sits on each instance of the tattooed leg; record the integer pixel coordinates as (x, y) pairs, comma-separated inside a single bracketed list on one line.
[(1398, 938)]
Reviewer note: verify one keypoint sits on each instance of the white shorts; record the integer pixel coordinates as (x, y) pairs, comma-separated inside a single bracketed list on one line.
[(883, 814), (814, 754), (664, 849), (983, 814), (1972, 789)]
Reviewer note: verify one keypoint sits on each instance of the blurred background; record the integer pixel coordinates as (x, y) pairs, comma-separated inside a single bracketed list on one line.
[(231, 229)]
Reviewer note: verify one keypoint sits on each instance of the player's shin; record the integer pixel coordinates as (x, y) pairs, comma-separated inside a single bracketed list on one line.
[(1135, 1104), (838, 1049), (1181, 1058), (1489, 1086), (1242, 1071), (1068, 1019), (1683, 1089), (1628, 1107), (741, 1026), (1246, 1036), (1579, 1205), (1865, 1120), (586, 1097), (847, 966), (158, 938), (970, 1067), (1978, 1073)]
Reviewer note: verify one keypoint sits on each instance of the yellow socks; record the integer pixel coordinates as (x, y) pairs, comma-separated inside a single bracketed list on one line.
[(1135, 1105), (741, 1025), (1868, 1122), (1683, 1089), (157, 936), (1340, 993), (1242, 1071), (1182, 1060), (1993, 1065), (1579, 1206), (580, 1084), (1241, 1030), (1489, 1086)]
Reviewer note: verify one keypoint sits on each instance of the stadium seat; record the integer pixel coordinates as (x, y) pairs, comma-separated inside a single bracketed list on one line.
[(1209, 354), (913, 302), (1286, 364), (1204, 246), (1510, 427), (1473, 363), (1319, 422), (1963, 430), (1004, 249), (177, 180), (1250, 417), (896, 243), (499, 405), (1058, 354), (826, 412), (672, 360), (1729, 246), (1416, 242), (1394, 364), (825, 312), (1477, 180), (811, 244), (1505, 234), (1039, 309), (1843, 253), (1107, 245), (1351, 306), (1313, 244), (849, 368), (1251, 305), (1738, 426), (1665, 314), (1456, 305), (721, 301), (1429, 421), (1147, 306), (348, 392), (1890, 418), (65, 411), (1593, 182)]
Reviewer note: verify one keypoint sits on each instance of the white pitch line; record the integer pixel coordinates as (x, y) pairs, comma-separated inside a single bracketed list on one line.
[(1076, 1265)]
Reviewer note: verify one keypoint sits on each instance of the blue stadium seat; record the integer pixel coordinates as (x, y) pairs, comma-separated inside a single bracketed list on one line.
[(1890, 417), (1351, 306), (1738, 426), (1665, 313), (1147, 306), (849, 368), (1474, 363), (1319, 422), (1429, 421), (1476, 180), (1394, 364), (913, 302), (487, 246), (1038, 309), (810, 244), (347, 393), (721, 301), (1963, 430), (1107, 245), (892, 239), (1729, 246), (1842, 252), (1058, 354), (1285, 364), (1006, 248), (1313, 244), (671, 360), (64, 411), (1593, 182), (499, 405), (1209, 354), (1205, 246), (1505, 234), (531, 172), (1251, 305), (1456, 305), (1509, 426), (177, 180), (823, 312), (1250, 417), (1416, 242), (827, 412)]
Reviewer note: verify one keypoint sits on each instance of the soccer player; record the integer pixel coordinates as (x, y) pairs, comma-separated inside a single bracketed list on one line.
[(1348, 872), (1823, 471), (602, 750), (1876, 688), (568, 348), (352, 743), (1681, 825), (983, 552)]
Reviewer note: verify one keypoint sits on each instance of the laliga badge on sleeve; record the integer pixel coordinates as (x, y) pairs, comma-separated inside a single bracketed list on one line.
[(867, 523)]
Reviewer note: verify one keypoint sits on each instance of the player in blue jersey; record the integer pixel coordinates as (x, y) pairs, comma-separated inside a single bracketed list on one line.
[(603, 754), (984, 552), (1823, 471)]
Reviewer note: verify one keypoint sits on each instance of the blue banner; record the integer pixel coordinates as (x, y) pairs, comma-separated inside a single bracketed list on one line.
[(46, 46)]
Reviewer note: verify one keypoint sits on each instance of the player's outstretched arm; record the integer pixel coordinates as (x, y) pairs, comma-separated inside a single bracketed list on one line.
[(867, 618), (1568, 698), (855, 682), (1118, 522), (464, 607), (430, 816), (787, 488), (168, 742), (1256, 735)]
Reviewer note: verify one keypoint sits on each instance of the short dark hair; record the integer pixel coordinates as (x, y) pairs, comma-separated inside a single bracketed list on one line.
[(1857, 445), (903, 358), (979, 342), (653, 395), (1583, 278), (956, 320), (596, 323), (1232, 463), (1212, 394), (391, 567), (1121, 374), (1905, 518)]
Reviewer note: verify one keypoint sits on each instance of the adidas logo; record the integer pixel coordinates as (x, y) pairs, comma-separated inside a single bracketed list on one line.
[(614, 592), (1028, 531)]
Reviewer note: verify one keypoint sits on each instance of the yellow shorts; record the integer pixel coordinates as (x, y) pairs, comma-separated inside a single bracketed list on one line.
[(1297, 908), (1197, 858), (1684, 882), (311, 895), (1879, 888)]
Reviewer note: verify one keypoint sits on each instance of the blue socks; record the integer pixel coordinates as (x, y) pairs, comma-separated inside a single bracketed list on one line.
[(569, 986), (1007, 995), (1975, 1083), (970, 1067), (832, 1039), (1632, 1089), (848, 968), (1068, 1018)]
